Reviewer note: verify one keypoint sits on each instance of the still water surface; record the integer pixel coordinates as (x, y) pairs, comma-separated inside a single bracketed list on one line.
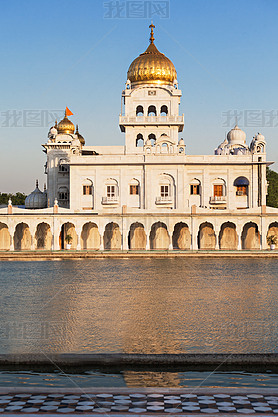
[(139, 306)]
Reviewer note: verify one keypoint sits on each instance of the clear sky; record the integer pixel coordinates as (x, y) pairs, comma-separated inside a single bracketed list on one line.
[(59, 53)]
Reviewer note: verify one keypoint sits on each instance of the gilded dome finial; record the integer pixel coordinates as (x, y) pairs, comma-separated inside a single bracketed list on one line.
[(152, 26)]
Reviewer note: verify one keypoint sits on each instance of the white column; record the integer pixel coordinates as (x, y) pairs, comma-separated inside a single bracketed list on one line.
[(11, 231), (239, 247), (101, 238), (124, 240), (217, 231), (194, 235), (78, 246), (32, 232), (147, 240)]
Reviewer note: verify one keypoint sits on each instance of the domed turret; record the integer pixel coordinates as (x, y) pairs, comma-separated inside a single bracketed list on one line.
[(37, 199), (65, 126), (236, 136), (152, 67), (260, 138)]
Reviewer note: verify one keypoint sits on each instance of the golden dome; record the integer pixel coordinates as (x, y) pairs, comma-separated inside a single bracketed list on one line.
[(80, 137), (65, 126), (152, 67)]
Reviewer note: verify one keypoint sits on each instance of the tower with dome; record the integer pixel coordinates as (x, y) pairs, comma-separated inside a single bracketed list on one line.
[(149, 193)]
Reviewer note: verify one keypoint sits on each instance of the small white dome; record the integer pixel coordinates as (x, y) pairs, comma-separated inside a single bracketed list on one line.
[(181, 141), (236, 136), (260, 137), (37, 199)]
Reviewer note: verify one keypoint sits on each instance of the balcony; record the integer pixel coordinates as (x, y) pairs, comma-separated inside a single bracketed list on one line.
[(164, 200), (217, 199), (151, 120), (110, 200)]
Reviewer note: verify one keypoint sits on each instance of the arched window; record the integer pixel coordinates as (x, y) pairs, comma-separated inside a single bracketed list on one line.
[(164, 111), (166, 189), (139, 140), (134, 187), (87, 187), (164, 148), (139, 111), (195, 187), (152, 111), (63, 168), (152, 138), (63, 194), (112, 189), (241, 184), (219, 187)]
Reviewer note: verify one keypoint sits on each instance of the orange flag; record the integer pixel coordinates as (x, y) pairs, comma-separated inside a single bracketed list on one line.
[(68, 112)]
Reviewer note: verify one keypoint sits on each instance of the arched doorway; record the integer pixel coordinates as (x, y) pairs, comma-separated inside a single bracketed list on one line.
[(22, 237), (4, 237), (137, 237), (181, 237), (206, 237), (112, 237), (250, 236), (228, 239), (68, 229), (43, 236), (90, 237), (273, 230), (159, 237)]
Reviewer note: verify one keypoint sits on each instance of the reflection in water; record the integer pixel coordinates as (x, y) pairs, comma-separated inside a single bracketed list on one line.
[(139, 306)]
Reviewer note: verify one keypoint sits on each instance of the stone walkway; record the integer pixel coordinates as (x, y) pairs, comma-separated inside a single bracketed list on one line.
[(135, 403)]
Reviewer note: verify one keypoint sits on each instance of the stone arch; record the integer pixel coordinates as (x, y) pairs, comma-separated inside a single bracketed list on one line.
[(152, 111), (250, 237), (137, 237), (112, 237), (22, 237), (181, 237), (206, 237), (43, 236), (164, 110), (273, 230), (139, 140), (90, 237), (4, 237), (152, 138), (139, 111), (228, 239), (68, 229), (159, 236)]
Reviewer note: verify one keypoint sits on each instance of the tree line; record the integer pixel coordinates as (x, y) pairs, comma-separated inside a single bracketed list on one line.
[(18, 199)]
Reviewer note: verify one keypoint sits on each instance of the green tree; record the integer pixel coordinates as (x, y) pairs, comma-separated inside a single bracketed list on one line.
[(18, 199), (272, 197)]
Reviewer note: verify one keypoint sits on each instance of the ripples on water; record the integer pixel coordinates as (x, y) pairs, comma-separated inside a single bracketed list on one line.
[(139, 306), (139, 379)]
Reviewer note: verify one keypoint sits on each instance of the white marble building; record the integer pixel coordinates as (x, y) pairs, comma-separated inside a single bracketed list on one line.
[(147, 194)]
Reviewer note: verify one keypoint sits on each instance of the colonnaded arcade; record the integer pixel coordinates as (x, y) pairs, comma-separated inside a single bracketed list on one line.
[(147, 194)]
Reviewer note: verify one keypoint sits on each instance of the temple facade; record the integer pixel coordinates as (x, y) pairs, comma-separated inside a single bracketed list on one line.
[(147, 194)]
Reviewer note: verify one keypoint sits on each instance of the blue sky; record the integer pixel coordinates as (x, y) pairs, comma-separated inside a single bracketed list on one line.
[(59, 53)]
